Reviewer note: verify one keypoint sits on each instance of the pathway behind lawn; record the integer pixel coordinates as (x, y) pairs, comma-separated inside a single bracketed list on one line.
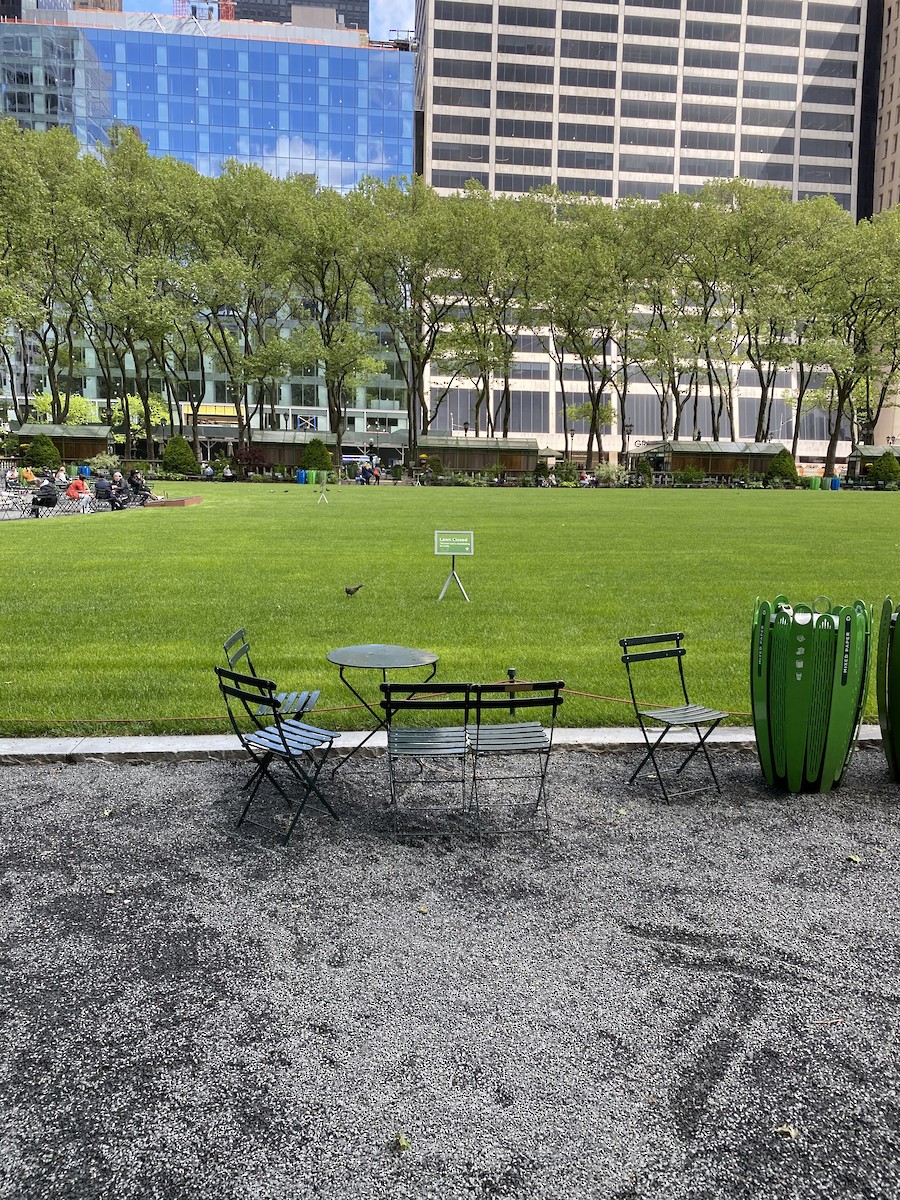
[(688, 1002)]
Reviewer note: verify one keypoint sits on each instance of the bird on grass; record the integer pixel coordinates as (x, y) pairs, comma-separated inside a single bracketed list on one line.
[(352, 590)]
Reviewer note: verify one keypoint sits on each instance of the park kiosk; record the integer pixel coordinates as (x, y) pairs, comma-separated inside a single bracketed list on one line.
[(809, 674)]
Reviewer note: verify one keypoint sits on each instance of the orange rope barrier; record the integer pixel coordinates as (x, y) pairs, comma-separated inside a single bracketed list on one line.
[(334, 709)]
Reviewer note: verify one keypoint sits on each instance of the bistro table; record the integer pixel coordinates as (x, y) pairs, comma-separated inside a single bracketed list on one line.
[(376, 657)]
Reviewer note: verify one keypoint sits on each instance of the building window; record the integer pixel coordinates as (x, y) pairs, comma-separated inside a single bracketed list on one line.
[(460, 152), (707, 168), (536, 130), (833, 68), (829, 175), (819, 93), (647, 164), (827, 148), (591, 22), (758, 89), (584, 160), (462, 97), (588, 106), (817, 39), (706, 139), (665, 56), (473, 126), (598, 51), (779, 10), (456, 12), (651, 110), (773, 35), (462, 68), (837, 14), (646, 135), (520, 183), (525, 101), (534, 18), (523, 156), (513, 43), (712, 31), (774, 118), (457, 180), (708, 114), (762, 143), (636, 81), (586, 187), (731, 7), (570, 132), (584, 77), (462, 39), (770, 172), (511, 72)]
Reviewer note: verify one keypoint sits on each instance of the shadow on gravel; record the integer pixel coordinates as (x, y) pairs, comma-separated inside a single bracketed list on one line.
[(694, 1001)]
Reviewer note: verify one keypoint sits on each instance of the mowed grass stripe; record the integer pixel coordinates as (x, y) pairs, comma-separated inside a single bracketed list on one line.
[(123, 615)]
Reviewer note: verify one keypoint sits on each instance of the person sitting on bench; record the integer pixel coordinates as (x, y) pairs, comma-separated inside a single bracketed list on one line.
[(44, 497)]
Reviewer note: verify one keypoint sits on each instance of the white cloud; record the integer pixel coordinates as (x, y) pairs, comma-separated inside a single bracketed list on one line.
[(385, 15)]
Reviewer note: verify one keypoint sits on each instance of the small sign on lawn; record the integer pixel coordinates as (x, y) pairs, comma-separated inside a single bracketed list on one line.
[(449, 542)]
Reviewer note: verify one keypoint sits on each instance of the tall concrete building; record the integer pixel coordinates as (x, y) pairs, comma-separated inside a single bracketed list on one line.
[(353, 13), (630, 98)]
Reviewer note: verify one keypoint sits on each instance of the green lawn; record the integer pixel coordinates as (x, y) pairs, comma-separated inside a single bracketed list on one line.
[(123, 615)]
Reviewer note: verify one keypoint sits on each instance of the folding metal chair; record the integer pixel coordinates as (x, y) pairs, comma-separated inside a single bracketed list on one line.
[(237, 651), (284, 740), (529, 741), (445, 747), (686, 715)]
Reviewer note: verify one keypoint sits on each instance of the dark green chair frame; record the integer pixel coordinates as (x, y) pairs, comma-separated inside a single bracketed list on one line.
[(530, 738), (687, 715), (302, 748), (237, 652), (423, 742)]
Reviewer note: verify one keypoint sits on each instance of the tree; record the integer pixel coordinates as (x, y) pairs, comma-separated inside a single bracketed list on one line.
[(885, 469), (783, 467), (327, 296), (81, 411), (41, 452), (403, 259), (316, 456), (178, 458)]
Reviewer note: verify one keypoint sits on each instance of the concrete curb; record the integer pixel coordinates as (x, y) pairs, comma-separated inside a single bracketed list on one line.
[(24, 751)]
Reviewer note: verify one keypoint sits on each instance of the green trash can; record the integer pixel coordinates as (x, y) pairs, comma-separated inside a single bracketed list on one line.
[(809, 674), (815, 484)]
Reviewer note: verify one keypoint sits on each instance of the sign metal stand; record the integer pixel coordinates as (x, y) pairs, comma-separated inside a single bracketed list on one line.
[(453, 575), (322, 495), (453, 543)]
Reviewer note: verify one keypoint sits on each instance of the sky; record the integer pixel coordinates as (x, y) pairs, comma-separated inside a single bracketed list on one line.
[(385, 14)]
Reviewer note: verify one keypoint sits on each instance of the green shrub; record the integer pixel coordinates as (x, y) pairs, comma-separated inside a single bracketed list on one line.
[(9, 445), (644, 471), (566, 472), (397, 471), (893, 486), (41, 452), (351, 470), (610, 475), (104, 462), (687, 476), (436, 465), (885, 469), (784, 469), (316, 456), (179, 457)]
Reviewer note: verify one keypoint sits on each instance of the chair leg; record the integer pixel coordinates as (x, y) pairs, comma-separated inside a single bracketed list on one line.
[(651, 755)]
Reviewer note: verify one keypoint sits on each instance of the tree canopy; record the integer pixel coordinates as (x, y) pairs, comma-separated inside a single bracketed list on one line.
[(162, 271)]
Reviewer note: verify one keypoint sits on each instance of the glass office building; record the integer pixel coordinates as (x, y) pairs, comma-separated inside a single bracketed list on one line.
[(206, 92)]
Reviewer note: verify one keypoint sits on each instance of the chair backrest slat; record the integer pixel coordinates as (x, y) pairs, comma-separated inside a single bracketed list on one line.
[(425, 698), (674, 650), (514, 694)]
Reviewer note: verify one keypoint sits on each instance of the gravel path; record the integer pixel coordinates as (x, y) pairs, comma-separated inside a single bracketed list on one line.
[(692, 1001)]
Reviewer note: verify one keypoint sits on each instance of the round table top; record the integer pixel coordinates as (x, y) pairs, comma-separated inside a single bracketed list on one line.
[(382, 658)]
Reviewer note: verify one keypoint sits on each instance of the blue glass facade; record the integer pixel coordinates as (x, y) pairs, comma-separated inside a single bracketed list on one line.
[(338, 112)]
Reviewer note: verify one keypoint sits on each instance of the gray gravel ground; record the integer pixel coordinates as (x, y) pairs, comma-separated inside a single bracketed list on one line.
[(691, 1001)]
